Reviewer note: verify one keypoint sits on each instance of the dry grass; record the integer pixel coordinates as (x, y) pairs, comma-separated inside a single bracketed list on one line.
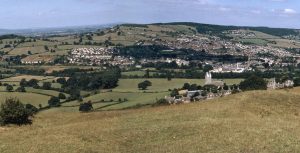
[(260, 121)]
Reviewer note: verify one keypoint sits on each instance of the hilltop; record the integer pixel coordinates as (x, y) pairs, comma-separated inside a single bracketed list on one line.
[(256, 121), (213, 39)]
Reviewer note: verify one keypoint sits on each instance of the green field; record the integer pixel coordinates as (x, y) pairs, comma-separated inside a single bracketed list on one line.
[(134, 99), (127, 89), (43, 92), (26, 98)]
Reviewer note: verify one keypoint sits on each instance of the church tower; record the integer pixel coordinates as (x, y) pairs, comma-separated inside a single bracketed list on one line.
[(208, 78)]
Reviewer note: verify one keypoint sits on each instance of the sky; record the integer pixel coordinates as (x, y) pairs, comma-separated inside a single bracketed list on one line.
[(21, 14)]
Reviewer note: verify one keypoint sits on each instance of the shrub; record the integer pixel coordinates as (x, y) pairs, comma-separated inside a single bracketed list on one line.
[(54, 102), (31, 108), (86, 107), (162, 102), (12, 111), (62, 96), (9, 88), (21, 89), (47, 85)]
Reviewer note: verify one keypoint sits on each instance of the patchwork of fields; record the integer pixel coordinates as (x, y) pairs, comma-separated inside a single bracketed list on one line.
[(126, 95)]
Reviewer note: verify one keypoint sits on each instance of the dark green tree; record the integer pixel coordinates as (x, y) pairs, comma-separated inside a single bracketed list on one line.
[(62, 96), (9, 88), (21, 89), (142, 86), (86, 107), (253, 83), (54, 102), (47, 85), (12, 111)]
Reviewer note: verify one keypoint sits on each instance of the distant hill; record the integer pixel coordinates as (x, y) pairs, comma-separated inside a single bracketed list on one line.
[(54, 31), (206, 28)]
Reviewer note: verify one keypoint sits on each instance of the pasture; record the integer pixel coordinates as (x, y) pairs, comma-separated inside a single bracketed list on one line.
[(27, 77), (26, 98), (128, 90), (110, 100)]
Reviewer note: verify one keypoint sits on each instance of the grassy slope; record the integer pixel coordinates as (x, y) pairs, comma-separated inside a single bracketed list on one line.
[(26, 98), (259, 121)]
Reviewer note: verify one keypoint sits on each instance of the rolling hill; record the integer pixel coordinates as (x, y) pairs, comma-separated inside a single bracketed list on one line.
[(256, 121)]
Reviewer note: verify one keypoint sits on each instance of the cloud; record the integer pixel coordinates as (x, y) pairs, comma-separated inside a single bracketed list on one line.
[(289, 11), (224, 9)]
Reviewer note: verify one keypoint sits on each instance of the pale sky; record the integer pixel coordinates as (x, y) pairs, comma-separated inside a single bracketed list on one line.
[(16, 14)]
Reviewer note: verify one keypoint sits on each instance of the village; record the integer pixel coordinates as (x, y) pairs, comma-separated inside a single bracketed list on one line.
[(98, 56), (217, 89)]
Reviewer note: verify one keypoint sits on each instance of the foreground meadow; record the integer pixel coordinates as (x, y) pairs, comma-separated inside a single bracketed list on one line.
[(257, 121)]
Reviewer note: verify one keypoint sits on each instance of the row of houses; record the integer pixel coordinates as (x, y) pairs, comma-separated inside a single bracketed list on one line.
[(272, 84), (38, 59)]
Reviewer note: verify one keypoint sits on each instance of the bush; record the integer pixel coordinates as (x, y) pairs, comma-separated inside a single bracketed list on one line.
[(162, 102), (9, 88), (47, 85), (21, 89), (86, 107), (54, 102), (62, 96), (31, 108), (12, 111), (144, 85)]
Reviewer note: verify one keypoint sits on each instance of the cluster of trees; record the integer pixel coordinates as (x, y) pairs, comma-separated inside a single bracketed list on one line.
[(148, 51), (254, 83), (28, 71), (89, 81), (157, 51)]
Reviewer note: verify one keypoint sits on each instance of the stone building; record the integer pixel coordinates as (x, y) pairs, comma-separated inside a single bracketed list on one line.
[(272, 84)]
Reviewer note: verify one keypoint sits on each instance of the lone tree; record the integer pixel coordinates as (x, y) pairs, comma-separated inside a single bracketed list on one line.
[(144, 85), (12, 111), (254, 83)]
